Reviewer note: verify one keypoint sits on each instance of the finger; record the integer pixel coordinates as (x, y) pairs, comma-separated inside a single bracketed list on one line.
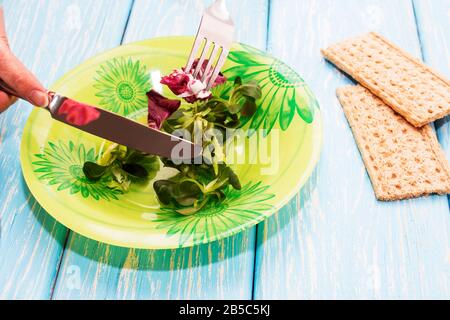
[(3, 37), (6, 101), (16, 75)]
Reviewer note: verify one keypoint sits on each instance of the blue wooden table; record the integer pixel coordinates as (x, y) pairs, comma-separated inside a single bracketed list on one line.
[(334, 240)]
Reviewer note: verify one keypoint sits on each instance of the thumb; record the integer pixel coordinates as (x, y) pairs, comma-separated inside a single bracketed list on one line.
[(18, 77)]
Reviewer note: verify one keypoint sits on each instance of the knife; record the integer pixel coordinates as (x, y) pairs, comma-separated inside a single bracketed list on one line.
[(115, 128)]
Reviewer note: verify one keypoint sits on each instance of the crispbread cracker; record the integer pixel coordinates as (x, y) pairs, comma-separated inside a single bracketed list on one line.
[(418, 93), (403, 161)]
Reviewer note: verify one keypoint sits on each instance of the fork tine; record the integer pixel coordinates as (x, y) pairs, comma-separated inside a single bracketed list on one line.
[(216, 29), (202, 58), (212, 58), (218, 67), (193, 55)]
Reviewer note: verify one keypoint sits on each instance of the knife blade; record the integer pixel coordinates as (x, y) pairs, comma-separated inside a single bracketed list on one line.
[(121, 130)]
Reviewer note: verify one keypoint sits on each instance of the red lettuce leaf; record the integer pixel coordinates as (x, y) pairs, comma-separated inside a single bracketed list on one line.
[(221, 79), (177, 82), (185, 86), (160, 108)]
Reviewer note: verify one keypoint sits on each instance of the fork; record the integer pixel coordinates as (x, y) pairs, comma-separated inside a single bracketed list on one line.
[(216, 31)]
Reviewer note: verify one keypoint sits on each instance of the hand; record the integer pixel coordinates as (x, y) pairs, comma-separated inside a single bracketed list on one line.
[(17, 76)]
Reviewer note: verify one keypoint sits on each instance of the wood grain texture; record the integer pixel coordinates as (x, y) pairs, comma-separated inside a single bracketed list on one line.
[(335, 240), (222, 269), (50, 37), (433, 23)]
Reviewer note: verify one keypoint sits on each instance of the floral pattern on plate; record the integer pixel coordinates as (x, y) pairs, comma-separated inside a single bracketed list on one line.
[(239, 208), (61, 165), (122, 85), (285, 93)]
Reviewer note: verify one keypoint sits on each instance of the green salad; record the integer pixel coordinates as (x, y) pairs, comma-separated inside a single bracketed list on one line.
[(204, 113)]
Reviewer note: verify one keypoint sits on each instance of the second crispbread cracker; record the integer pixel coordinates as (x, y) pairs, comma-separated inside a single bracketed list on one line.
[(403, 161), (418, 93)]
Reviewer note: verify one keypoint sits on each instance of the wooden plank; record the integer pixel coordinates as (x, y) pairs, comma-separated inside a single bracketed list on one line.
[(222, 269), (335, 240), (50, 37), (181, 17), (433, 21)]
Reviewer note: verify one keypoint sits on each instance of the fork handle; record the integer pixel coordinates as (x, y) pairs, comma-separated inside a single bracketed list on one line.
[(219, 9)]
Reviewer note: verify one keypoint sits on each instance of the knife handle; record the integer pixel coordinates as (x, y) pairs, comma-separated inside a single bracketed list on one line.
[(6, 88)]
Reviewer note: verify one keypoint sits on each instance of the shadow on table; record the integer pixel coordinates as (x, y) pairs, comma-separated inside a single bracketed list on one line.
[(57, 231), (162, 260), (178, 259), (293, 212), (141, 259), (443, 132)]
